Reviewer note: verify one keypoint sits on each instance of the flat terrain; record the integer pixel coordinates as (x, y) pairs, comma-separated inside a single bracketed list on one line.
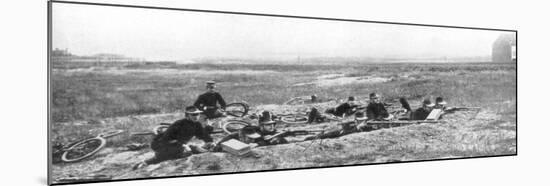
[(89, 98)]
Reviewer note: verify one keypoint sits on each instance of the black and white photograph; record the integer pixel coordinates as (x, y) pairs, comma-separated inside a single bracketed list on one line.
[(140, 92)]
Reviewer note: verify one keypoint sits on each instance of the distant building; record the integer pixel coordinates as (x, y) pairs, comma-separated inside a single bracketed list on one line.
[(63, 55), (504, 48), (61, 52), (110, 57)]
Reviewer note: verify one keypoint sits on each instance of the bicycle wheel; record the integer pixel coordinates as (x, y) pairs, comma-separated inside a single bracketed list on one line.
[(83, 149), (294, 119), (237, 109), (231, 126), (295, 101)]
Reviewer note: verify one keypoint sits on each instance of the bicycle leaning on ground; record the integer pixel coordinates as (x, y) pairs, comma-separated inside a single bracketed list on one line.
[(83, 149)]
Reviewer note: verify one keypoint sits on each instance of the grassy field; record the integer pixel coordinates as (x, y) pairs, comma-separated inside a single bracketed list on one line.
[(88, 98), (92, 92)]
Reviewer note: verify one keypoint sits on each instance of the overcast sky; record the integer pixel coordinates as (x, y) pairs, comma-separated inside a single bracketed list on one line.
[(182, 35)]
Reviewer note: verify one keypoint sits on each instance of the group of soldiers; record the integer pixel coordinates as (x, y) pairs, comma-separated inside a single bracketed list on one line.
[(376, 110), (173, 143)]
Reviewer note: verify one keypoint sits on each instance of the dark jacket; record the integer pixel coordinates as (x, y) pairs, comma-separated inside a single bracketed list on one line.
[(347, 128), (315, 116), (209, 99), (340, 110), (180, 132), (376, 111), (420, 114)]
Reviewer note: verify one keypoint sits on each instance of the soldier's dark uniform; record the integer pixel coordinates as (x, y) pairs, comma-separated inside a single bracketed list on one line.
[(423, 112), (377, 111), (208, 101), (344, 108), (420, 114), (315, 116), (168, 145), (345, 130)]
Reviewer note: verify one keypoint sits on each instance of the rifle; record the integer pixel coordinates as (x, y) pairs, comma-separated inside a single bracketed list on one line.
[(404, 122), (388, 124), (157, 132), (292, 133), (453, 109)]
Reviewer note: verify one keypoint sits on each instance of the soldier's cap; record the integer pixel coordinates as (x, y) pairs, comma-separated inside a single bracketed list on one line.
[(210, 82), (192, 110), (251, 132), (428, 103), (351, 98), (360, 116), (265, 118), (374, 95), (440, 101)]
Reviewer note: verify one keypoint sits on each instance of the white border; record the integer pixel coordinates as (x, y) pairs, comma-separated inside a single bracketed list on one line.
[(24, 93)]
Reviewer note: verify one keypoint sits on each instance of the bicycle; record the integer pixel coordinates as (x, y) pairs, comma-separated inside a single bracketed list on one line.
[(296, 118), (307, 100), (83, 149), (236, 110), (233, 125), (297, 101)]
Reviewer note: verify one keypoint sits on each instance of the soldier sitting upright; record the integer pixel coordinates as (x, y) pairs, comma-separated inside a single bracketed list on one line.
[(376, 110), (208, 101), (172, 143)]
